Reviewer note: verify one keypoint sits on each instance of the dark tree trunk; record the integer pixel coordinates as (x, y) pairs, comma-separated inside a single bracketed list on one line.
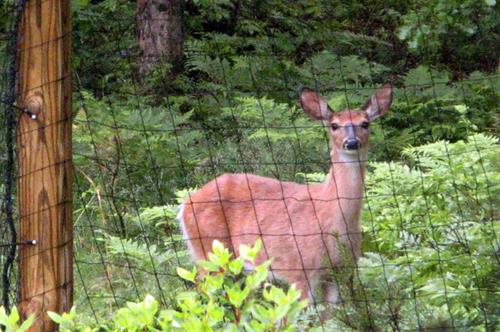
[(160, 37)]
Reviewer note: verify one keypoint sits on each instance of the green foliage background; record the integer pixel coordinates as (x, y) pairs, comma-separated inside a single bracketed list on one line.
[(430, 218)]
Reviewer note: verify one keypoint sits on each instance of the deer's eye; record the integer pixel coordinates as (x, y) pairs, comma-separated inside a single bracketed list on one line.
[(335, 126), (365, 124)]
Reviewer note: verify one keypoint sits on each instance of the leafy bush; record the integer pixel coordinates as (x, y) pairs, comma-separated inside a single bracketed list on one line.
[(11, 322), (430, 107), (114, 267), (228, 299), (225, 297), (461, 33)]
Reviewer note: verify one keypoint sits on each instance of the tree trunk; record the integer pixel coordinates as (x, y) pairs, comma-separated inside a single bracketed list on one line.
[(160, 37)]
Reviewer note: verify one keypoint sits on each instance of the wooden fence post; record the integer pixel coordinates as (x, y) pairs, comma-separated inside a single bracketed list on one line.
[(44, 156)]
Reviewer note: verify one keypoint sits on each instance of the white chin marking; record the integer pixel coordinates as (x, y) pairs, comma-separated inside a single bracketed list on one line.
[(353, 153), (352, 156)]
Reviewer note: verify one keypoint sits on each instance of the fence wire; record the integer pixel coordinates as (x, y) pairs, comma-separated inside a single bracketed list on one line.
[(144, 145)]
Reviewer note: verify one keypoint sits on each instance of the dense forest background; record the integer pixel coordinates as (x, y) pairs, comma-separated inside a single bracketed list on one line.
[(169, 94)]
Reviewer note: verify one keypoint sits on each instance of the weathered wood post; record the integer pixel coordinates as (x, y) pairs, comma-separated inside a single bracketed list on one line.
[(44, 156)]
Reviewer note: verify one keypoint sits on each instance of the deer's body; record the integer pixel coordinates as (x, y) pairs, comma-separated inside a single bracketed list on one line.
[(302, 226)]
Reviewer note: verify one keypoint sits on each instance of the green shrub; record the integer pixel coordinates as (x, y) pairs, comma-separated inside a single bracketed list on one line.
[(10, 322), (228, 299), (224, 297), (459, 33)]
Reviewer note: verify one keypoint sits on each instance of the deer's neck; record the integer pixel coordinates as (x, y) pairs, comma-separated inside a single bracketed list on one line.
[(346, 176), (345, 185)]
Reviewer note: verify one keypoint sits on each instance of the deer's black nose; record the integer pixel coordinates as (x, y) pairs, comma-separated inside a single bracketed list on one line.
[(351, 144)]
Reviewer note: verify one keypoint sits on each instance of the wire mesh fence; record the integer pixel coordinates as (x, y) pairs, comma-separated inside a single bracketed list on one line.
[(8, 115), (144, 144)]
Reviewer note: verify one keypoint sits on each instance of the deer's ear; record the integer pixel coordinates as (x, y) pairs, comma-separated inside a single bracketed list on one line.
[(314, 105), (379, 103)]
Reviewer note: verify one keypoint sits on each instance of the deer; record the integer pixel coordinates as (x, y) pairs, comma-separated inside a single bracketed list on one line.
[(303, 227)]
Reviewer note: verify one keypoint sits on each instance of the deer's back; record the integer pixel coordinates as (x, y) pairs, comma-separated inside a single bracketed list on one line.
[(243, 207)]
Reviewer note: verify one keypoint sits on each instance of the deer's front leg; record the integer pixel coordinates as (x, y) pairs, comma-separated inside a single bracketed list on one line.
[(331, 293)]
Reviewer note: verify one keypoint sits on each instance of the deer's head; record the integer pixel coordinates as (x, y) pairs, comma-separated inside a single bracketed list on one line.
[(349, 129)]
